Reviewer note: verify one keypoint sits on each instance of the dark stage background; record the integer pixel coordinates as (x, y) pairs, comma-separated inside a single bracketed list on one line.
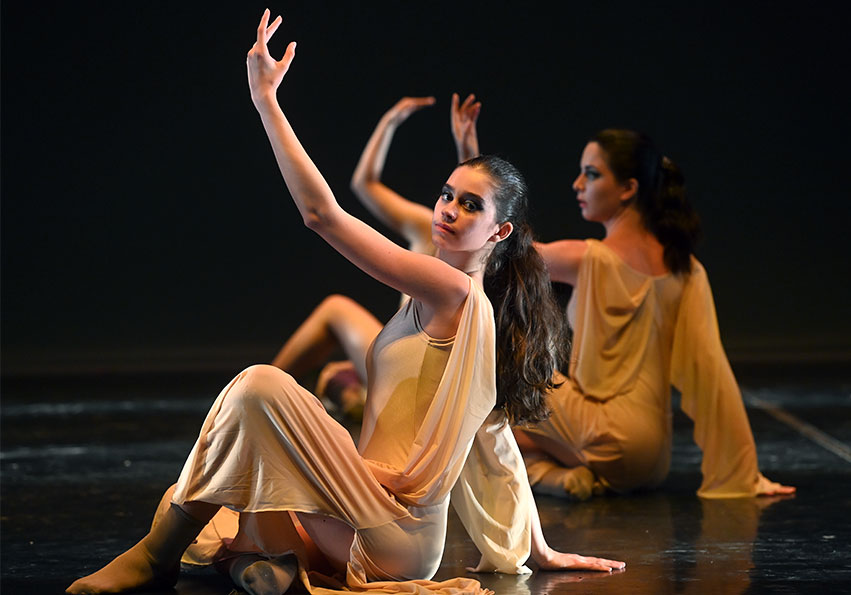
[(145, 225)]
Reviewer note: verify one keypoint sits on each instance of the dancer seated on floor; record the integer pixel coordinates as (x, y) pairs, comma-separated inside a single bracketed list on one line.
[(339, 322), (433, 416), (643, 319)]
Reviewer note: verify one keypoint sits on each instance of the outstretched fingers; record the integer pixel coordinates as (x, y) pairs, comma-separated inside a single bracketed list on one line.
[(421, 102), (265, 30), (564, 561), (409, 105), (468, 102), (602, 564), (261, 28), (463, 116), (289, 55), (264, 72), (406, 106), (270, 30), (469, 110)]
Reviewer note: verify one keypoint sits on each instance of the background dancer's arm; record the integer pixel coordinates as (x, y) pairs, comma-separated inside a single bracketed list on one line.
[(409, 219)]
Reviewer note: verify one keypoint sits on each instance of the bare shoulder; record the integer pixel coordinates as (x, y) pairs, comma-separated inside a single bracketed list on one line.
[(440, 312), (563, 258), (642, 253)]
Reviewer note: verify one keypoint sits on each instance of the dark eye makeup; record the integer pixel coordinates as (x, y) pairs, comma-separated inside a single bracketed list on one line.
[(468, 201), (591, 173)]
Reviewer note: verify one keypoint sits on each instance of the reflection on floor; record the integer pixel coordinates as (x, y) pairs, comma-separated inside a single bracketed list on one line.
[(84, 461)]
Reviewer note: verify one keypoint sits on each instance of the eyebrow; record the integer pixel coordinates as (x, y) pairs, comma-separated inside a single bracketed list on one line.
[(466, 194)]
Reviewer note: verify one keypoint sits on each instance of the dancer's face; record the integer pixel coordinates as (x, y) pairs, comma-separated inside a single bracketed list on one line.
[(599, 193), (464, 218)]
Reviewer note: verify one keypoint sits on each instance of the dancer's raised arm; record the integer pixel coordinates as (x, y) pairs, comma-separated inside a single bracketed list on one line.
[(437, 284), (409, 219)]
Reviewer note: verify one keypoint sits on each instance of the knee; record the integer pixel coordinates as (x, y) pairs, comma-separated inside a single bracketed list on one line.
[(261, 374), (335, 305), (259, 384)]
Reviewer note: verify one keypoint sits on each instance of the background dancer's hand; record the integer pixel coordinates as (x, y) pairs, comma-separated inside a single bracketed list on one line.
[(463, 121), (264, 72), (405, 107)]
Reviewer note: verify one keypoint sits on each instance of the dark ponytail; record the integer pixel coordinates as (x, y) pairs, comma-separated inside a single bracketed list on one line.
[(661, 199), (532, 340)]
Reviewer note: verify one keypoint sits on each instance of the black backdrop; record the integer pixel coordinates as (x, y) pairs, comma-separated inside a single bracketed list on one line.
[(144, 222)]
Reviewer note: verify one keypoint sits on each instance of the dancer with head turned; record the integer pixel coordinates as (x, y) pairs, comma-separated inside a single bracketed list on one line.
[(643, 319), (435, 422), (339, 323)]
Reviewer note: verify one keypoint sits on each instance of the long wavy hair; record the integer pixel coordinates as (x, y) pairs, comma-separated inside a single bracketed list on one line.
[(661, 199), (531, 330)]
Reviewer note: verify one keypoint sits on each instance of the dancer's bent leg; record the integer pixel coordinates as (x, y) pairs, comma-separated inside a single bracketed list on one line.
[(337, 321)]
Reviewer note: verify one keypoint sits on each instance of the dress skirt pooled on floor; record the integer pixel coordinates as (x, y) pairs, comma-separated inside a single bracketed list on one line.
[(268, 448)]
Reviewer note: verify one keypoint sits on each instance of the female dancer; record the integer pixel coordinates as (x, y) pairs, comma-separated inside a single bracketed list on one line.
[(268, 448), (643, 320), (340, 322)]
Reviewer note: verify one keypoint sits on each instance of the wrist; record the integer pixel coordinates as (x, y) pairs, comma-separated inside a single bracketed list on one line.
[(390, 120), (264, 100), (543, 556)]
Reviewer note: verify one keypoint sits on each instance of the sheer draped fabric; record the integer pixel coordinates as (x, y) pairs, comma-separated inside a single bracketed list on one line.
[(635, 336), (268, 447)]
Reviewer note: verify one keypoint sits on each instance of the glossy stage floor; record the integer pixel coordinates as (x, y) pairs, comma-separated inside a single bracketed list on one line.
[(85, 459)]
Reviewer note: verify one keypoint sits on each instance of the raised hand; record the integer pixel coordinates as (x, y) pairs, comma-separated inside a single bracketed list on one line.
[(463, 122), (264, 72), (407, 218), (407, 106)]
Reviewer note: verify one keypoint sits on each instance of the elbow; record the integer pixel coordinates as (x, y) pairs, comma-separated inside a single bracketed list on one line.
[(358, 179), (361, 185), (315, 220), (357, 185)]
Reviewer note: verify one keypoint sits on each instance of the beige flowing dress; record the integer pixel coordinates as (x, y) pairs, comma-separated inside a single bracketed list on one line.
[(635, 336), (268, 448)]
